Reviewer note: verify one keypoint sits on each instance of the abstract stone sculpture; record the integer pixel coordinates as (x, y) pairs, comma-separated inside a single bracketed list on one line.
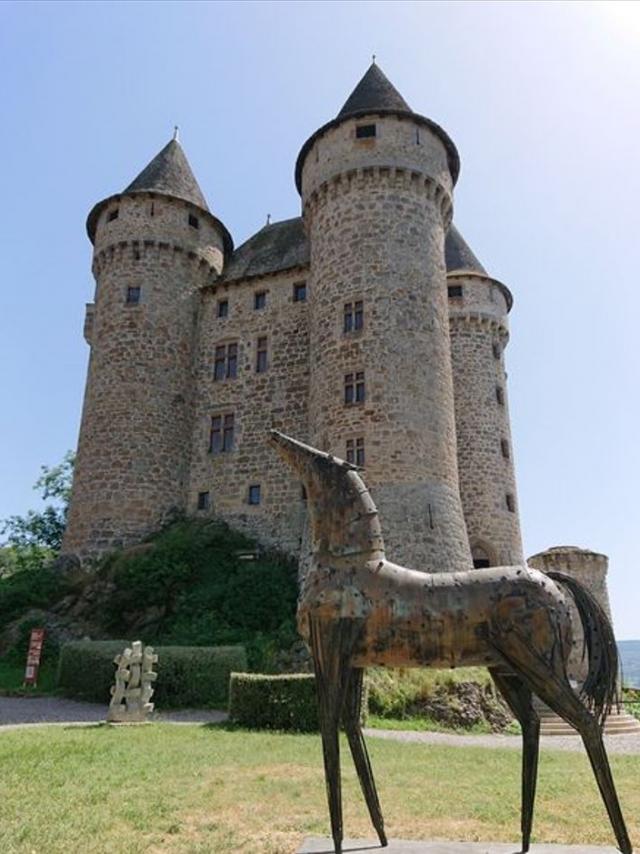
[(358, 609), (132, 692)]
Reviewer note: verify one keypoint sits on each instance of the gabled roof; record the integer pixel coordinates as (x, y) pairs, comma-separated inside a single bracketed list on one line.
[(376, 95), (279, 246), (170, 173), (374, 92), (458, 255)]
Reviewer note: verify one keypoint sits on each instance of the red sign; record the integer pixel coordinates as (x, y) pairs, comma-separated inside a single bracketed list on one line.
[(33, 657)]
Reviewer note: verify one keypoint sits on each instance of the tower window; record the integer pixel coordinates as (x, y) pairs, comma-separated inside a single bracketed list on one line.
[(455, 291), (354, 388), (500, 395), (204, 501), (261, 356), (260, 300), (303, 493), (511, 502), (113, 214), (481, 559), (133, 296), (504, 447), (225, 364), (254, 494), (223, 308), (300, 292), (497, 350), (355, 451), (221, 436), (365, 131), (194, 222), (353, 316)]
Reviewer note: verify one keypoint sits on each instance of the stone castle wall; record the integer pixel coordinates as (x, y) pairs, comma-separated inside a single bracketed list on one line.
[(132, 464), (278, 398), (478, 315), (376, 211)]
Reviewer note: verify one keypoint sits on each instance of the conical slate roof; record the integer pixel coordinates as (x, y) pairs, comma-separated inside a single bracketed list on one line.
[(169, 172), (374, 92), (458, 255)]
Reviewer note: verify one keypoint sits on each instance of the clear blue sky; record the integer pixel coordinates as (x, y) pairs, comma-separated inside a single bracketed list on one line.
[(542, 102)]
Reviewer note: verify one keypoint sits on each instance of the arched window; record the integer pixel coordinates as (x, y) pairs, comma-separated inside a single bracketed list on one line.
[(481, 557)]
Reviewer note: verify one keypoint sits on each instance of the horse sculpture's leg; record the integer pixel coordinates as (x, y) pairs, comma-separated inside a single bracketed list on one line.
[(557, 693), (518, 697), (353, 729), (331, 647)]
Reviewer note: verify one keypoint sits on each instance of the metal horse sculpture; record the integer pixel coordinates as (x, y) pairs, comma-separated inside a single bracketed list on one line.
[(358, 609)]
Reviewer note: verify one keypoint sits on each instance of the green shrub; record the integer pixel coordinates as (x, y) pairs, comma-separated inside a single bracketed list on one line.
[(187, 676), (29, 588), (285, 702)]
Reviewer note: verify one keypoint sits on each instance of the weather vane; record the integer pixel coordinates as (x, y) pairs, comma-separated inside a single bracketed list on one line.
[(175, 132)]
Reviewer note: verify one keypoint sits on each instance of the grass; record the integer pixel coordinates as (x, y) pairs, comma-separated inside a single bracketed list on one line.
[(12, 674), (198, 789), (421, 724)]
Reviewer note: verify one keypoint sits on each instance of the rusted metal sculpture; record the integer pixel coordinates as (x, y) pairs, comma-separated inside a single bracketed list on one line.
[(358, 609)]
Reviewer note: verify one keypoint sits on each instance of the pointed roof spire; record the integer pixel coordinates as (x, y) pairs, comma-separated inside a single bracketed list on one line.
[(374, 92), (169, 172), (458, 255)]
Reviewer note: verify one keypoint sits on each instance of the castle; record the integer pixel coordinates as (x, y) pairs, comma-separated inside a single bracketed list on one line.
[(366, 327)]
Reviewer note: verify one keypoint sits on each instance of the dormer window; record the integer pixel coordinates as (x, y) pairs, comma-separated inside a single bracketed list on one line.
[(113, 214), (365, 131), (194, 222)]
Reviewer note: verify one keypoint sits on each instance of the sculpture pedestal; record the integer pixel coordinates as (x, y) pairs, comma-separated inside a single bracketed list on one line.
[(317, 845)]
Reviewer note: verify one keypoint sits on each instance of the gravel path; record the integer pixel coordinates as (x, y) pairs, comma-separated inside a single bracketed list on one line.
[(23, 711), (614, 743)]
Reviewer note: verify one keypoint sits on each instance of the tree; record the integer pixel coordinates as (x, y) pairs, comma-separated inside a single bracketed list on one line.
[(33, 539)]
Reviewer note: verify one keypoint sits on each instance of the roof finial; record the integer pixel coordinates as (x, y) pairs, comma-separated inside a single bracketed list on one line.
[(373, 59), (175, 132), (268, 219)]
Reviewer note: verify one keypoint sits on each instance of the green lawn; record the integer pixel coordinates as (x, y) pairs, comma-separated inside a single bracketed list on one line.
[(163, 788), (11, 676)]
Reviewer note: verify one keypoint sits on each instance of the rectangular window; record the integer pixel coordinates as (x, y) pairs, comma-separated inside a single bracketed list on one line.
[(232, 361), (221, 437), (504, 447), (219, 364), (355, 451), (133, 296), (254, 494), (300, 292), (511, 502), (354, 388), (365, 131), (455, 291), (194, 222), (497, 350), (223, 308), (261, 356), (113, 214), (225, 363), (500, 395), (259, 300), (353, 316), (204, 501)]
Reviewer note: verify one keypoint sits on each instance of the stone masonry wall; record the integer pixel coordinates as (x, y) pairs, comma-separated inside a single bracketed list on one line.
[(132, 463), (485, 453), (376, 211), (276, 398)]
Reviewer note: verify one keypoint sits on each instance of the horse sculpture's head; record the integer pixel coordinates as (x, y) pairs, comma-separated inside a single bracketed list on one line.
[(344, 519)]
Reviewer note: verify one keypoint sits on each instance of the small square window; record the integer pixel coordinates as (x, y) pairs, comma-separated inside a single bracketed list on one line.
[(113, 214), (223, 308), (300, 292), (254, 494), (365, 131), (194, 222), (455, 291), (133, 296), (260, 300), (511, 502), (204, 501)]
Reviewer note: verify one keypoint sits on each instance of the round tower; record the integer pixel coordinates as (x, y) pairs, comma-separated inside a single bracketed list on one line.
[(376, 186), (155, 245), (478, 309)]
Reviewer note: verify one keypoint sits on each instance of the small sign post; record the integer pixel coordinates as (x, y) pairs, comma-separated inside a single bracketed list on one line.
[(33, 657)]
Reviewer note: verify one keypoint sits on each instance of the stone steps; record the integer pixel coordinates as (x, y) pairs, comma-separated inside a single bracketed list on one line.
[(618, 723)]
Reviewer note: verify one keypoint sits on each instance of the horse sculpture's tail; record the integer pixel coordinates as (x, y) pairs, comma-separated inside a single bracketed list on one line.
[(600, 688)]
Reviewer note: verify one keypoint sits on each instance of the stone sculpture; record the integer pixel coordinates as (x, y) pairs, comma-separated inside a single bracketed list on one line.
[(357, 609), (133, 690)]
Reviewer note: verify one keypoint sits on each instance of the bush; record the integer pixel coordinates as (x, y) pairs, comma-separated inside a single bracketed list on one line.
[(285, 702), (29, 588), (187, 676)]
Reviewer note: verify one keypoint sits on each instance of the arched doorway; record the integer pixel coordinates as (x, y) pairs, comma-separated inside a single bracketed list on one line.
[(482, 557)]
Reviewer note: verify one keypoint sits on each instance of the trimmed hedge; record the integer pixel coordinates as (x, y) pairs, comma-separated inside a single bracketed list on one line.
[(188, 676), (285, 702)]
